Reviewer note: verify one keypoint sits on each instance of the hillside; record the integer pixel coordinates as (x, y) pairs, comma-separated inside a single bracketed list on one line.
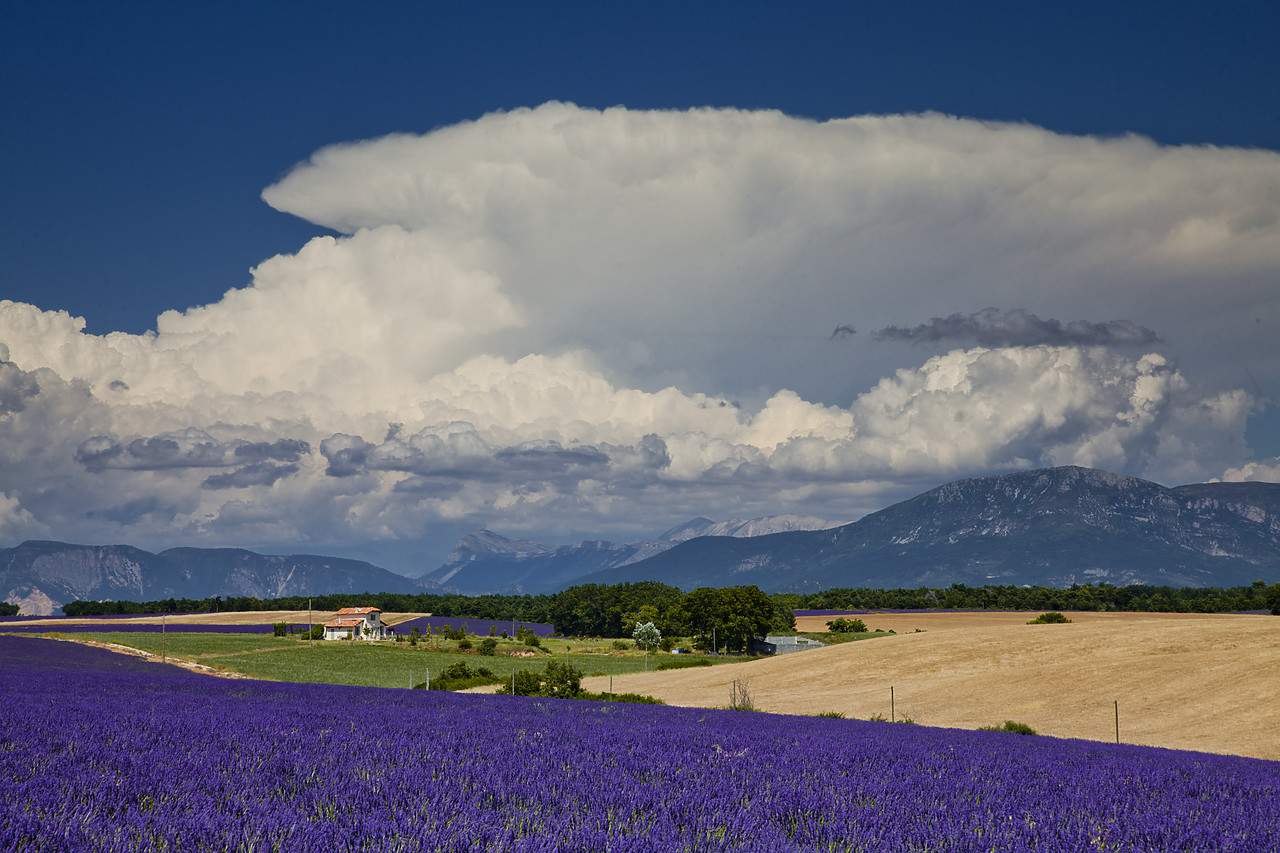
[(42, 576), (1052, 527), (1201, 682), (485, 561)]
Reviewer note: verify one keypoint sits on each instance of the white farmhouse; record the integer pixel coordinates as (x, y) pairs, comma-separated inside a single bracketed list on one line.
[(356, 623)]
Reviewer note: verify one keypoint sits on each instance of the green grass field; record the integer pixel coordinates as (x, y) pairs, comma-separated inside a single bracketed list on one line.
[(367, 664)]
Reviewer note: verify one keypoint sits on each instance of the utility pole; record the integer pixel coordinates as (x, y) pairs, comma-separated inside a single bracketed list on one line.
[(162, 621), (892, 714), (311, 628), (1117, 720)]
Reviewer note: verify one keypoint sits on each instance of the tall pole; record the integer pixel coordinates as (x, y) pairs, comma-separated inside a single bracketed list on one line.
[(1117, 720), (311, 628), (162, 620), (892, 715)]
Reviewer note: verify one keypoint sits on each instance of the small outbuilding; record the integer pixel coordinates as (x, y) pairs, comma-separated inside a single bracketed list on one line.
[(356, 623), (783, 645)]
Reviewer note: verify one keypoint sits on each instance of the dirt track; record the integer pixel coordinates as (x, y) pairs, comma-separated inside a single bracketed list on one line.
[(1209, 683)]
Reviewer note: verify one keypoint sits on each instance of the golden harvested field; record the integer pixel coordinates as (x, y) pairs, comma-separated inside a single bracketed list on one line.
[(260, 617), (1200, 682)]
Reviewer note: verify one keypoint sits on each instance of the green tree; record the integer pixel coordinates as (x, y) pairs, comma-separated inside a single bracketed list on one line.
[(1273, 598), (647, 636)]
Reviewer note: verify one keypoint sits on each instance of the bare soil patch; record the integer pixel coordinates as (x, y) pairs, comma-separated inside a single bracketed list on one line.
[(1199, 682)]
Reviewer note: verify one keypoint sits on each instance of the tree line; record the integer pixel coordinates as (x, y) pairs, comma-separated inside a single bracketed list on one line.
[(730, 613), (1096, 597)]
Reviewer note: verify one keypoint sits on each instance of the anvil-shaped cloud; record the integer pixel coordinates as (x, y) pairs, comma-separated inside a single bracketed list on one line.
[(558, 320)]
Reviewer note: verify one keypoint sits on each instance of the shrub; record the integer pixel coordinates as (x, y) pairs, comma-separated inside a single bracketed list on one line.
[(1011, 727), (881, 718), (459, 676), (841, 625), (563, 680), (415, 634), (684, 663), (280, 629), (488, 646), (523, 682), (464, 644), (1053, 617), (529, 638), (560, 680), (620, 645), (835, 715), (631, 698)]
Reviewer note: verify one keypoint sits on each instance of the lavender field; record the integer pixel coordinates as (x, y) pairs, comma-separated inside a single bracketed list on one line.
[(105, 752)]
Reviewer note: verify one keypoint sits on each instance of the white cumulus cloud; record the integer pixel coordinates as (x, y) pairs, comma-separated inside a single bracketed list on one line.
[(561, 320)]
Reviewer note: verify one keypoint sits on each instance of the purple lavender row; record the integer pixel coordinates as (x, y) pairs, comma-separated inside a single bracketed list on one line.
[(107, 753), (174, 628), (479, 627)]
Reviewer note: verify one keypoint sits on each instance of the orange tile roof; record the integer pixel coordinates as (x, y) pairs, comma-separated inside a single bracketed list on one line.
[(358, 611), (344, 623)]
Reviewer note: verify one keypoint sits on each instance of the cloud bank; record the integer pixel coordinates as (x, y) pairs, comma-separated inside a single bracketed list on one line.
[(1018, 328), (560, 321)]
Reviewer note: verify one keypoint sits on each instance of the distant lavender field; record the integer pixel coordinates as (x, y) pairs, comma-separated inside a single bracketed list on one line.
[(474, 626), (172, 628), (106, 752), (422, 623)]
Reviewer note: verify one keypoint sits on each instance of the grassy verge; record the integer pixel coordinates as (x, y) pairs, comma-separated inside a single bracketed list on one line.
[(363, 664)]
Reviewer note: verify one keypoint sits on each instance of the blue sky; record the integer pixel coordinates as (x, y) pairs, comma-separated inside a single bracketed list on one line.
[(138, 144)]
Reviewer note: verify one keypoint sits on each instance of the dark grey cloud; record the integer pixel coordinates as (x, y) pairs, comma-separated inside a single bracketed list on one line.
[(17, 386), (346, 454), (257, 474), (1019, 328), (282, 450), (549, 458), (191, 448), (843, 330), (132, 512), (457, 453)]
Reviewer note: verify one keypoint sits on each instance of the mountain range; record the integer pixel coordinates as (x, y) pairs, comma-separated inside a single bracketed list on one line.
[(40, 577), (1051, 527), (487, 562)]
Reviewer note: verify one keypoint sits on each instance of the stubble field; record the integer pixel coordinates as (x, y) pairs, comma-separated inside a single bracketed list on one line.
[(1182, 681)]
